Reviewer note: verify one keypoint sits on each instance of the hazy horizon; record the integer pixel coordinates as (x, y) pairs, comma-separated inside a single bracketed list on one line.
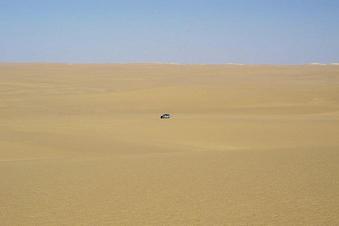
[(169, 63)]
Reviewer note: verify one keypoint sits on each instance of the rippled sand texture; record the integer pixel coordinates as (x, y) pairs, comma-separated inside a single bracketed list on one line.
[(84, 145)]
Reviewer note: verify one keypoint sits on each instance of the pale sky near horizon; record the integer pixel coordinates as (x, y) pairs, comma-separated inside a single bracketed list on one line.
[(180, 31)]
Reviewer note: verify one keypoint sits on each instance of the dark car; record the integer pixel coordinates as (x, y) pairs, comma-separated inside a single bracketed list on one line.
[(165, 116)]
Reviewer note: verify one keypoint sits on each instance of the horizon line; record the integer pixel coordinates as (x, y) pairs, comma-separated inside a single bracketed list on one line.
[(166, 63)]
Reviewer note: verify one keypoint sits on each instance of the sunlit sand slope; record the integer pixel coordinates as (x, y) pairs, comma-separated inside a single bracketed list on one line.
[(247, 145)]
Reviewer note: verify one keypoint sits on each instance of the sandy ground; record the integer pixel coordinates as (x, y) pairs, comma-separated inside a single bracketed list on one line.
[(248, 145)]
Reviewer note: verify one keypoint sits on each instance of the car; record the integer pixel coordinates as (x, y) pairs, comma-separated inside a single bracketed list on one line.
[(165, 116)]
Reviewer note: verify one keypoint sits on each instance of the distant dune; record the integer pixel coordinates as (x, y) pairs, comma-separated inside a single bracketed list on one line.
[(318, 64), (236, 64), (85, 145)]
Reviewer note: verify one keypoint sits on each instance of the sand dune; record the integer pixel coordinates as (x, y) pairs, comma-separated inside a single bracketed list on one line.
[(250, 145)]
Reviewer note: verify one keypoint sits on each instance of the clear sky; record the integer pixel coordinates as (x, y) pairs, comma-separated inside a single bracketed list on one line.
[(182, 31)]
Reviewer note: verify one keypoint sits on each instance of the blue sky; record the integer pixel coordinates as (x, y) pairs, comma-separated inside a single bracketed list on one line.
[(182, 31)]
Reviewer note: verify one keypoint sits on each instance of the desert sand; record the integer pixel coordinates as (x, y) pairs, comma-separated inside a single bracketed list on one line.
[(247, 145)]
